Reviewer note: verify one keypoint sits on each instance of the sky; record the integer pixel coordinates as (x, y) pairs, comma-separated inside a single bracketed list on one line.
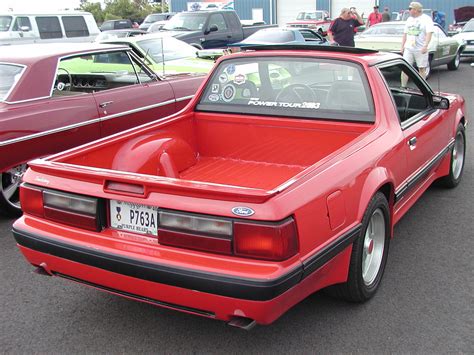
[(38, 5)]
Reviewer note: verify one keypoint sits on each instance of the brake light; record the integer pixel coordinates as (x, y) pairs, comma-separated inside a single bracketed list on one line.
[(272, 241), (31, 199)]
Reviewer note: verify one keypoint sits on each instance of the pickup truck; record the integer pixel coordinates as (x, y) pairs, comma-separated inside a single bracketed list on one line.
[(284, 175), (316, 20), (210, 29)]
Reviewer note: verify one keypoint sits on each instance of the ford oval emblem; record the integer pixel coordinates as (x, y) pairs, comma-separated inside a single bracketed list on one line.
[(243, 211)]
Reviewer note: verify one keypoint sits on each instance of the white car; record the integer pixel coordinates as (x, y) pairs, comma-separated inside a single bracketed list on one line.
[(467, 35)]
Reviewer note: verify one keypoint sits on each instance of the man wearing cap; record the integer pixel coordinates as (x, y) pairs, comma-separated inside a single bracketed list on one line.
[(341, 30), (374, 17), (416, 38)]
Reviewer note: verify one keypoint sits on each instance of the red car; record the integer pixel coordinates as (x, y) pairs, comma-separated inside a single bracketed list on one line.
[(54, 97), (284, 175)]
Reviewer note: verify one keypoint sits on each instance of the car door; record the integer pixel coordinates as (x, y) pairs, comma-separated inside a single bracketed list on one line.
[(127, 94), (446, 47), (426, 130), (22, 32), (220, 38)]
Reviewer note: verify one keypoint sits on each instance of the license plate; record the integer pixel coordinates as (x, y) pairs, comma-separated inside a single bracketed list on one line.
[(134, 217)]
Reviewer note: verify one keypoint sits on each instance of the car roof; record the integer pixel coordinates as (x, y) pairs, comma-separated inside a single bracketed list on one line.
[(28, 54), (141, 38)]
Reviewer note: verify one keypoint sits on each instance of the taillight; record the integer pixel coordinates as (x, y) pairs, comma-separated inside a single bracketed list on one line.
[(259, 240), (272, 241), (72, 209)]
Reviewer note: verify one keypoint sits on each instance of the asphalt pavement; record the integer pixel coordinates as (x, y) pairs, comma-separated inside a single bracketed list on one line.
[(424, 305)]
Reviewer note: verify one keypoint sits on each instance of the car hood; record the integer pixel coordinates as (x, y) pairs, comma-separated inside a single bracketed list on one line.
[(179, 34), (463, 13), (464, 36), (184, 65)]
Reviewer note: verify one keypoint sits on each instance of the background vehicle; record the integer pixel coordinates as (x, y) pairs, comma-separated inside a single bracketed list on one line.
[(286, 174), (112, 34), (387, 36), (161, 18), (283, 35), (81, 92), (26, 28), (209, 29), (316, 20), (116, 25), (467, 36), (461, 16)]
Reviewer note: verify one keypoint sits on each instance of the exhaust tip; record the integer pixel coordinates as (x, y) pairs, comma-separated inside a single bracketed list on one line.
[(43, 269), (242, 323)]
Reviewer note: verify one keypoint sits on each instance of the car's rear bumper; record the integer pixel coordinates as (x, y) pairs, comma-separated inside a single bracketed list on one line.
[(208, 294)]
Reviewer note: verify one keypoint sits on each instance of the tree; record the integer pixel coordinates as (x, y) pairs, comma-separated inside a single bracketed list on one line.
[(94, 8)]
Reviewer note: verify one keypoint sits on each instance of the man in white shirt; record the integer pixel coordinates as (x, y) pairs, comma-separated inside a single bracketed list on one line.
[(416, 38)]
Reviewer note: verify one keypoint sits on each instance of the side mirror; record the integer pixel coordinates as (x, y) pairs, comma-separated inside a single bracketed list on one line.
[(440, 102), (24, 28), (212, 28)]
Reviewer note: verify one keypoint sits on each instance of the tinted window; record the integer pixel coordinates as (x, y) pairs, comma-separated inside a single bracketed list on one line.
[(107, 25), (21, 22), (271, 36), (75, 26), (296, 87), (5, 22), (49, 27), (219, 21)]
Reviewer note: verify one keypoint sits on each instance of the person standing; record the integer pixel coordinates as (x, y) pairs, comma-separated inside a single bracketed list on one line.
[(386, 15), (374, 17), (416, 38), (341, 30)]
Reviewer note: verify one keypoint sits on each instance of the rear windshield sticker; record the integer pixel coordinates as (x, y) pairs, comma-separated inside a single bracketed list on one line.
[(228, 93), (230, 69), (304, 105), (223, 78), (240, 79), (215, 88), (213, 97)]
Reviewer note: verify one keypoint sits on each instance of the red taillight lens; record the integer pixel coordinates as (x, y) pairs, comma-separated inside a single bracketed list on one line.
[(31, 200), (266, 241), (192, 241)]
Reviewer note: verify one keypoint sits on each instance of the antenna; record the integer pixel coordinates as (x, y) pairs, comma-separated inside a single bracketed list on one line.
[(162, 55), (439, 80)]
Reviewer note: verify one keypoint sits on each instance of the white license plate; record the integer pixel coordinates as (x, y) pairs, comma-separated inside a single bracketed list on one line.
[(134, 217)]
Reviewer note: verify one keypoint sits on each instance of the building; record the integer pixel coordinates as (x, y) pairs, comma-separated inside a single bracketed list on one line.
[(283, 11)]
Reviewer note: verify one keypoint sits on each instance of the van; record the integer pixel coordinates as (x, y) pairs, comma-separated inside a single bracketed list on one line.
[(23, 28)]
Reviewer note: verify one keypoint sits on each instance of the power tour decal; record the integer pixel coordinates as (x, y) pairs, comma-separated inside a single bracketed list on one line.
[(305, 105)]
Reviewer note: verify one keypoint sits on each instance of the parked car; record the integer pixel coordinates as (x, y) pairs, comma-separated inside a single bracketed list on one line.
[(209, 29), (316, 20), (284, 175), (287, 35), (27, 27), (467, 36), (461, 16), (165, 54), (57, 97), (160, 18), (113, 34), (387, 36), (116, 25)]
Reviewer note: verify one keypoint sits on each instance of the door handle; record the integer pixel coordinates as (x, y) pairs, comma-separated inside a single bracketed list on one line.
[(105, 104), (412, 142)]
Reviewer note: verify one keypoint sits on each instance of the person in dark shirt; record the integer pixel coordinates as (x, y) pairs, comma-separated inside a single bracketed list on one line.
[(341, 30), (386, 16)]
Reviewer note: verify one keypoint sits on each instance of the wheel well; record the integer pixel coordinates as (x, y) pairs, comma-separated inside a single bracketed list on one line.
[(463, 121), (388, 190)]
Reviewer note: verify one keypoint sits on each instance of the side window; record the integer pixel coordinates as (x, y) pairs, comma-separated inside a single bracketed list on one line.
[(75, 26), (408, 92), (219, 21), (310, 36), (108, 25), (98, 72), (21, 22), (49, 27)]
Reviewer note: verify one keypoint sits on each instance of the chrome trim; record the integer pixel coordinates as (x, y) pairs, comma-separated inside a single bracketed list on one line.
[(418, 175), (93, 121), (15, 83), (189, 97)]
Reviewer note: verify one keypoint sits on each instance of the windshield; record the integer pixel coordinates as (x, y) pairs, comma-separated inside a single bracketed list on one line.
[(468, 27), (155, 17), (300, 87), (5, 22), (385, 30), (310, 16), (186, 22), (173, 49), (271, 36), (9, 76)]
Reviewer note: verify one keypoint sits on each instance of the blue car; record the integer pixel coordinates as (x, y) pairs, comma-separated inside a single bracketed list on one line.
[(280, 35)]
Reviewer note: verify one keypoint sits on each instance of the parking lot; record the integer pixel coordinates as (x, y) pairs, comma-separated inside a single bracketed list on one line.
[(424, 304)]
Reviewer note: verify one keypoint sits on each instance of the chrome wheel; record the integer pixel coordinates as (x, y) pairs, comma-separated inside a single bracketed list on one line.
[(373, 248), (457, 160), (10, 182), (457, 60)]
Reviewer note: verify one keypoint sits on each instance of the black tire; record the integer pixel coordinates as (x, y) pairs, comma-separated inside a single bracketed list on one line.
[(458, 157), (9, 203), (360, 288), (454, 64)]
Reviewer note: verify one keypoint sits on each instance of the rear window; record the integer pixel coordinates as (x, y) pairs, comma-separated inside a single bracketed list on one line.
[(49, 27), (300, 87), (9, 76), (75, 26)]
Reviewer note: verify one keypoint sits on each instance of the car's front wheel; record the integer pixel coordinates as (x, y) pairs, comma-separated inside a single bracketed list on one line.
[(369, 254), (10, 190), (454, 64)]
